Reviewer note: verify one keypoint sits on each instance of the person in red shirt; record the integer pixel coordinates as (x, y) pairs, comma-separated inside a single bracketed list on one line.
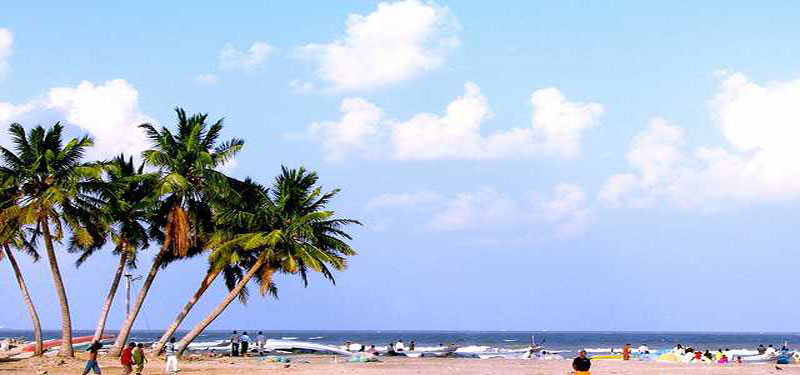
[(698, 356), (127, 359), (626, 352)]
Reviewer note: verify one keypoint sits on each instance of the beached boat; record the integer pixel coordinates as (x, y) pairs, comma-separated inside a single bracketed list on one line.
[(293, 346), (76, 342)]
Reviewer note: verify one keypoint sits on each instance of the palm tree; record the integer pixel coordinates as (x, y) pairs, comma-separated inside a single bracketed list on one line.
[(11, 234), (285, 230), (219, 263), (51, 180), (124, 202), (189, 181)]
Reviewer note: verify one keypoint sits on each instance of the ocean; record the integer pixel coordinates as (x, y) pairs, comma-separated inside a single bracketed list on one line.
[(566, 343)]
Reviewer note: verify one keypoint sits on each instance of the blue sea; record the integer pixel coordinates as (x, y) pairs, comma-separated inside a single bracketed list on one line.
[(564, 342)]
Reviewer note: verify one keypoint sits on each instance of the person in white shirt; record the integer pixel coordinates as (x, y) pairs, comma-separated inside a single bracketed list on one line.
[(261, 341), (245, 343), (236, 338), (399, 346), (771, 351), (172, 356), (643, 349)]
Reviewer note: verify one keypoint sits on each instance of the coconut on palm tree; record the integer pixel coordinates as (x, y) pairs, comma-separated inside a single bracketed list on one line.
[(189, 180), (285, 229), (11, 235), (219, 263), (51, 178), (124, 201)]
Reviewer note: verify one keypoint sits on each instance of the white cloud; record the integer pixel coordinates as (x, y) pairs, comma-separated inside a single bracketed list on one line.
[(566, 208), (109, 112), (231, 58), (206, 79), (301, 86), (560, 123), (556, 128), (759, 122), (6, 42), (394, 200), (563, 211), (485, 207), (396, 42), (354, 134)]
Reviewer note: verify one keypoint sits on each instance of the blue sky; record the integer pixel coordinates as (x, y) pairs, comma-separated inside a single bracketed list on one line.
[(519, 165)]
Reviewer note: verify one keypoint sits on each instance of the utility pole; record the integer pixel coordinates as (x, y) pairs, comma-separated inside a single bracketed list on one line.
[(129, 278)]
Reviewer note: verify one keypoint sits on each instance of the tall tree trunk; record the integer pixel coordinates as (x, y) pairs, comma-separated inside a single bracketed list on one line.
[(125, 331), (198, 329), (37, 327), (101, 323), (66, 322), (207, 281)]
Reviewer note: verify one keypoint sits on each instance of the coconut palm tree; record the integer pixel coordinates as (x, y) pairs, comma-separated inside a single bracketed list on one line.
[(124, 202), (11, 234), (189, 180), (219, 263), (51, 179), (285, 229)]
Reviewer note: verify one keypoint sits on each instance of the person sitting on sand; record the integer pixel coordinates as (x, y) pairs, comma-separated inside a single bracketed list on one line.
[(771, 351), (724, 359), (126, 359), (698, 356), (245, 343), (761, 349), (172, 356), (139, 359), (708, 355), (718, 355), (91, 363), (390, 350), (372, 350), (399, 347), (581, 364)]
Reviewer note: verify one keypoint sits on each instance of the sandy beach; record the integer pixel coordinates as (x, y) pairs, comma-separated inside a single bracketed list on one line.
[(319, 365)]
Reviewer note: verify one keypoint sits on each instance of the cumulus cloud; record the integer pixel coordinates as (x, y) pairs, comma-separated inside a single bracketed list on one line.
[(231, 58), (6, 42), (396, 42), (556, 128), (564, 210), (109, 112), (757, 121), (354, 134)]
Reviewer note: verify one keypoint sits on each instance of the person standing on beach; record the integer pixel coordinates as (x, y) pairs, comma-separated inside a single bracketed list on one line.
[(245, 343), (261, 342), (626, 352), (235, 339), (412, 346), (127, 358), (581, 364), (91, 363), (139, 359), (172, 356)]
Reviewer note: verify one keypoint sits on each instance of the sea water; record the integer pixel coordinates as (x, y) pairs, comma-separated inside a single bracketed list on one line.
[(567, 343)]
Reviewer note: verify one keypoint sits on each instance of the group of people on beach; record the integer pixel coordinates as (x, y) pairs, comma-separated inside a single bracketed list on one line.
[(132, 355), (240, 343)]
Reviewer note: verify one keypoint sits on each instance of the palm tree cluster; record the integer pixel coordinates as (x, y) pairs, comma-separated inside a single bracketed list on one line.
[(177, 199)]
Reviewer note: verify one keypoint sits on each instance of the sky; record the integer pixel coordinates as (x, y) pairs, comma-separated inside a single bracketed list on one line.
[(521, 165)]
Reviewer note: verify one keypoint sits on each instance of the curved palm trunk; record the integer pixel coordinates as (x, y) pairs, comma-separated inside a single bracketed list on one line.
[(207, 281), (125, 331), (37, 327), (101, 323), (66, 321), (198, 329)]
